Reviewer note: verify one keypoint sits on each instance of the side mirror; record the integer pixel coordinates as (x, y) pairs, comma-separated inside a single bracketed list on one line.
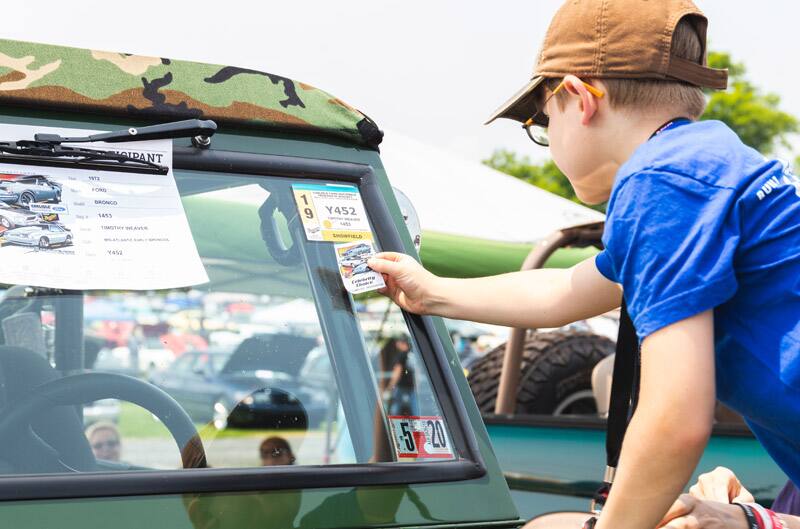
[(410, 216)]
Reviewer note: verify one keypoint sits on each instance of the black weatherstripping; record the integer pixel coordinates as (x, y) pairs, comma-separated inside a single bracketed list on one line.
[(468, 465)]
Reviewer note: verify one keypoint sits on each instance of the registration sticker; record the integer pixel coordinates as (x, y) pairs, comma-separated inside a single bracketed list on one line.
[(331, 212), (420, 437)]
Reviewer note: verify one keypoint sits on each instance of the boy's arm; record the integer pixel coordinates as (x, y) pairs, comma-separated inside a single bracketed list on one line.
[(534, 298), (671, 426)]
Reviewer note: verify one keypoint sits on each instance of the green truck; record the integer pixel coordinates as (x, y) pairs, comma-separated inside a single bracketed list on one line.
[(274, 312)]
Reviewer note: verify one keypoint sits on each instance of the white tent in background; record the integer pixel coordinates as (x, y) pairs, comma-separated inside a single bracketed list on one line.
[(457, 196)]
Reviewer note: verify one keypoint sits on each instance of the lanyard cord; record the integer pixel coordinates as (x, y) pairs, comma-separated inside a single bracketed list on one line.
[(671, 124), (624, 394)]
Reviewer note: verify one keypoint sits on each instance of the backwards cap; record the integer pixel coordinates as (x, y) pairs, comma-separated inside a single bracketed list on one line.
[(623, 39)]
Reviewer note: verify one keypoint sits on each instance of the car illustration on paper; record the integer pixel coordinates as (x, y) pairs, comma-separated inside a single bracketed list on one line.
[(357, 252), (29, 188), (351, 263), (11, 217), (361, 269), (42, 235), (7, 197)]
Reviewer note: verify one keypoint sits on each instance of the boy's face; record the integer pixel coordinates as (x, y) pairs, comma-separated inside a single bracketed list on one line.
[(579, 147)]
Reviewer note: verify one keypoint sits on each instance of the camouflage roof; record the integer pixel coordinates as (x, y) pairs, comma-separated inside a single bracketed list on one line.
[(63, 78)]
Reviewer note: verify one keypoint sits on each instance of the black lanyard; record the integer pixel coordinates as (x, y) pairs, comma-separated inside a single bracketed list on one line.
[(671, 124), (624, 394)]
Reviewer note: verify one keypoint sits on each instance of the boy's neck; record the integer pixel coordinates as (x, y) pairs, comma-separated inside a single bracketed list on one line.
[(629, 131)]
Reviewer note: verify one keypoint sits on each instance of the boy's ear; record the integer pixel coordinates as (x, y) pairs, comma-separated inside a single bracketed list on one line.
[(588, 103)]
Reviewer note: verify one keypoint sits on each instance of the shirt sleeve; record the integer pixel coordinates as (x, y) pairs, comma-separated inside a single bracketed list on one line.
[(603, 263), (670, 242)]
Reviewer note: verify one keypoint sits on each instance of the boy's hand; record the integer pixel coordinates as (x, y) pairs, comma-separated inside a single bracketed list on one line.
[(690, 513), (407, 283), (722, 485)]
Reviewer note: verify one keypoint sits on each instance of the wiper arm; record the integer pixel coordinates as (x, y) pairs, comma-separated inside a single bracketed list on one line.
[(189, 128), (46, 149)]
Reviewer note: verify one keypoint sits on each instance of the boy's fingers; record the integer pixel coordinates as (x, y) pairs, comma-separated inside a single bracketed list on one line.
[(684, 522), (743, 497), (384, 265), (681, 507), (389, 256)]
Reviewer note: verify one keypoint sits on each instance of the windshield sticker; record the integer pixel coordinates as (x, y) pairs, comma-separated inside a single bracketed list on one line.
[(420, 437), (80, 228), (332, 212), (356, 275)]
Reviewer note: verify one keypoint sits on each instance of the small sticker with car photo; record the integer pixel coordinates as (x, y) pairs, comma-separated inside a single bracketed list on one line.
[(356, 274)]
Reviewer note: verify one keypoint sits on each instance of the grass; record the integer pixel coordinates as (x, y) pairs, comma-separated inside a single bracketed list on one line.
[(136, 422)]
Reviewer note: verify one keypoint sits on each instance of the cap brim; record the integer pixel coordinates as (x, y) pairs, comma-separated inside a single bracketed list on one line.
[(521, 106)]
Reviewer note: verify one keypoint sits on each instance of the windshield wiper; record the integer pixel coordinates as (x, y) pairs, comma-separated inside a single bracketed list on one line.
[(47, 149)]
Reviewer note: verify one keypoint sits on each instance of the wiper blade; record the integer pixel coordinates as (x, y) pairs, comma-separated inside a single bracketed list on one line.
[(19, 152), (46, 149)]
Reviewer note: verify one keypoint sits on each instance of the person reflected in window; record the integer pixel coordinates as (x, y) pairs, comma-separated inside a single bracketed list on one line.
[(397, 377), (104, 438), (275, 451)]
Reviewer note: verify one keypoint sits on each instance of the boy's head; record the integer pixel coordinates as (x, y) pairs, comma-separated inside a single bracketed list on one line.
[(607, 71)]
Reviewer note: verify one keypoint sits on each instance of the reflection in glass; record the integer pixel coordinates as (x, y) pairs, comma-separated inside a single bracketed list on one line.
[(271, 363)]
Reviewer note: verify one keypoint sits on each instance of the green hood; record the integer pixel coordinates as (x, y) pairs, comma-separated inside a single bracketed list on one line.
[(73, 79)]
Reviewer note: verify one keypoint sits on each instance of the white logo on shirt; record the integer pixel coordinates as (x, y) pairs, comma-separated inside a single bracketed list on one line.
[(787, 178)]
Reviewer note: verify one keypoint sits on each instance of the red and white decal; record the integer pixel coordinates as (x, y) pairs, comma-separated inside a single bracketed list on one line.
[(420, 437)]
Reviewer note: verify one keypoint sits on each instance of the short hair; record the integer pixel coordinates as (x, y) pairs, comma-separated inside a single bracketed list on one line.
[(97, 426), (684, 99), (275, 442)]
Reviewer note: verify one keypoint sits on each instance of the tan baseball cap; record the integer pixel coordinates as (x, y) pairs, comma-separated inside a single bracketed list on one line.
[(627, 39)]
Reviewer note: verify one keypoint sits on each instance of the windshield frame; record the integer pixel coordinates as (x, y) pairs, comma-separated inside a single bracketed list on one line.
[(468, 464)]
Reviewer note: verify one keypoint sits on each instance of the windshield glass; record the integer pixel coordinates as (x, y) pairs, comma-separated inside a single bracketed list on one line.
[(271, 363)]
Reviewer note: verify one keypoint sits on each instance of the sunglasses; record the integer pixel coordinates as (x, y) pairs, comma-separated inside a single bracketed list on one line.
[(536, 126), (105, 444), (274, 453)]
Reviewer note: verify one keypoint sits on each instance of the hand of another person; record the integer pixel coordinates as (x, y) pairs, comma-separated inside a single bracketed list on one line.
[(722, 485), (407, 283), (689, 512)]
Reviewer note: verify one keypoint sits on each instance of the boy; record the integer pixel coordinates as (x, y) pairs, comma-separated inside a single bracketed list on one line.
[(702, 236)]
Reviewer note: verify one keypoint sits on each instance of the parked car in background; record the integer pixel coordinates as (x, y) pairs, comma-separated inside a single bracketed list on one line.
[(11, 217), (43, 235), (150, 356), (105, 410), (33, 188), (256, 385)]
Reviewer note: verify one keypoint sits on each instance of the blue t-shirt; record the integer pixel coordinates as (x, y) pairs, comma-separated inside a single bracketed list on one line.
[(697, 220)]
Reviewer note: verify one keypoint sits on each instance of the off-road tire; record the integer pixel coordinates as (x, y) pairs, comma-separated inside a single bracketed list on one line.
[(555, 366)]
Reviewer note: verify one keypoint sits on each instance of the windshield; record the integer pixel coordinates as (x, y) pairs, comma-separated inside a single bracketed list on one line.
[(271, 363)]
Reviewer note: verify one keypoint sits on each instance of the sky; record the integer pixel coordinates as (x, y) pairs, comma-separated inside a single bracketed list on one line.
[(432, 70)]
